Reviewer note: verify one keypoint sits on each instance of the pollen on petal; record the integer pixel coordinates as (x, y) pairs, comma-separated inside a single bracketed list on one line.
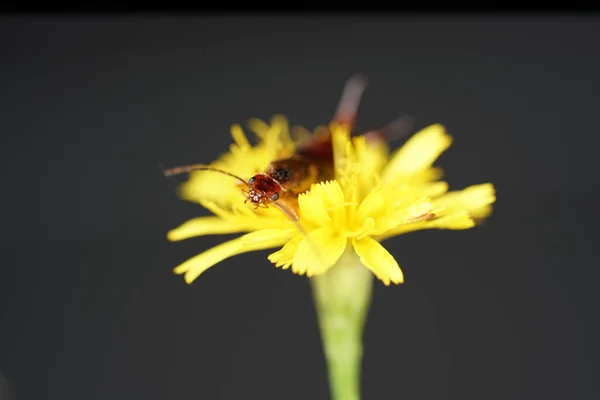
[(376, 258)]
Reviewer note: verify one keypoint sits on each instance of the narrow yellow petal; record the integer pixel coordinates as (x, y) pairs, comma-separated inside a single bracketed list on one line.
[(372, 156), (418, 153), (475, 199), (227, 213), (376, 258), (267, 238), (203, 226), (284, 129), (238, 136), (195, 266), (456, 221), (415, 211), (425, 175), (434, 189), (372, 152), (301, 135), (318, 252), (343, 153), (259, 127)]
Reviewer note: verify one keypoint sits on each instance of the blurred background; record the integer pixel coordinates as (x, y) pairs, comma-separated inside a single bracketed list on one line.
[(90, 106)]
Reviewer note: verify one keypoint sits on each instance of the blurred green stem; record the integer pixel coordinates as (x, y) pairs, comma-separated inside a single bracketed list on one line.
[(342, 298)]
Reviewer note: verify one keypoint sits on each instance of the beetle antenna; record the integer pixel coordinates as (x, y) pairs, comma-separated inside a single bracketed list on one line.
[(199, 167)]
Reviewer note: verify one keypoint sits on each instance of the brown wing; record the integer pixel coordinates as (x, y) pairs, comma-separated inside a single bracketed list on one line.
[(320, 147), (295, 174)]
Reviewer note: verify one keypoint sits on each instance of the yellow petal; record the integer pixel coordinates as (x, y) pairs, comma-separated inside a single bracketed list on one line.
[(418, 153), (318, 252), (238, 136), (434, 189), (366, 228), (284, 129), (267, 238), (203, 226), (244, 215), (312, 207), (334, 201), (374, 213), (376, 258), (284, 257), (343, 154), (414, 211), (376, 203), (322, 203), (275, 135), (301, 135), (259, 127), (425, 175), (195, 266), (456, 221), (475, 199), (372, 154)]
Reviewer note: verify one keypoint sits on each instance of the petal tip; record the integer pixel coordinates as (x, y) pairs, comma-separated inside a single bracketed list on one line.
[(189, 278), (179, 270), (172, 235)]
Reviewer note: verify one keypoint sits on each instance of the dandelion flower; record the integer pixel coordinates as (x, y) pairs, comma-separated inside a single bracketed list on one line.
[(374, 196), (338, 226)]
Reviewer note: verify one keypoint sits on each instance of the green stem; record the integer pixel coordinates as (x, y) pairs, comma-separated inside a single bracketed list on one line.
[(342, 299)]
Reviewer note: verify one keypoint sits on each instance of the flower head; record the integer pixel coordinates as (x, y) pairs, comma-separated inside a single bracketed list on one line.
[(373, 196)]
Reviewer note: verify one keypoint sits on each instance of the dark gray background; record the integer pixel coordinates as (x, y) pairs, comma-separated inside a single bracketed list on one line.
[(90, 308)]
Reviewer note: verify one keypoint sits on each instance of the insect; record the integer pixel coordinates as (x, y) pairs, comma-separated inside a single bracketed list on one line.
[(283, 180)]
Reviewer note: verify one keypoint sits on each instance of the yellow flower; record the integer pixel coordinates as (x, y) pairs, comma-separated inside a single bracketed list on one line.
[(375, 195)]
